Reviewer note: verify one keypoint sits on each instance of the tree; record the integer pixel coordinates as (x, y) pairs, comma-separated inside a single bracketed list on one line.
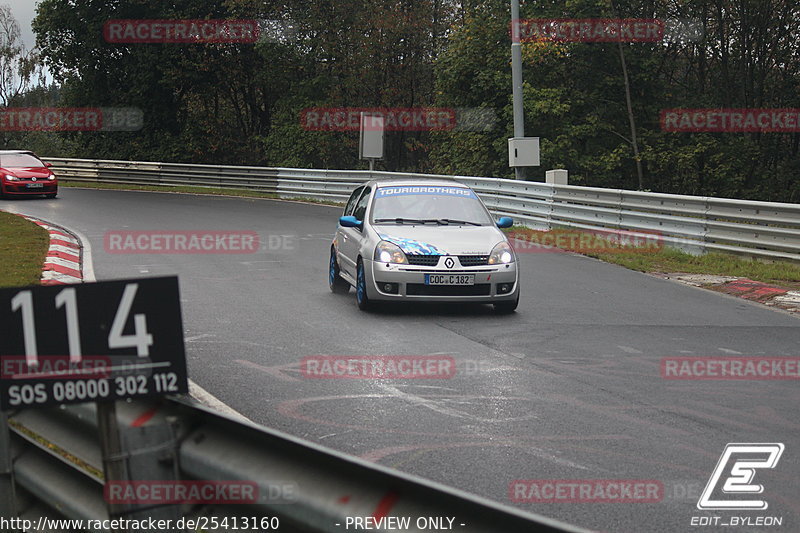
[(596, 106), (19, 68)]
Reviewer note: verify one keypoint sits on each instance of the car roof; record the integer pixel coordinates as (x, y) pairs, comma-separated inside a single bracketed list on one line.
[(9, 152), (429, 182)]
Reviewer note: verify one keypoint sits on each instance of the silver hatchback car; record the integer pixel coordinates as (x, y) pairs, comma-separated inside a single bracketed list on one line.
[(422, 240)]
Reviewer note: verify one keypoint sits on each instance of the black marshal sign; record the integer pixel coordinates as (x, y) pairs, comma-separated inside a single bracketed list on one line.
[(91, 342)]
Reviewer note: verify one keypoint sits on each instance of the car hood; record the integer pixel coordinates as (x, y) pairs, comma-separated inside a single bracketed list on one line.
[(27, 173), (442, 240)]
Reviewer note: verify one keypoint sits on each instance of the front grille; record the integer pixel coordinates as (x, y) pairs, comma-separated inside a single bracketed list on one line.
[(48, 187), (473, 260), (433, 260), (420, 289), (446, 271), (423, 260)]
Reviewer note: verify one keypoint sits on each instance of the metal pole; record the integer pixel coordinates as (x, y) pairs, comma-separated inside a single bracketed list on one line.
[(8, 496), (145, 453), (114, 467), (516, 80)]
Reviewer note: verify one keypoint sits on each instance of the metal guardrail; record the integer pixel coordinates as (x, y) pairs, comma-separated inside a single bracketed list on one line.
[(58, 473), (696, 224)]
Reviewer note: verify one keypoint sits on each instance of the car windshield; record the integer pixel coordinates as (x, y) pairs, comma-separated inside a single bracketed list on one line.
[(428, 205), (19, 161)]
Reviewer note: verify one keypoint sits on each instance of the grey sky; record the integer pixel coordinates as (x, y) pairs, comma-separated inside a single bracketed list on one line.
[(24, 11)]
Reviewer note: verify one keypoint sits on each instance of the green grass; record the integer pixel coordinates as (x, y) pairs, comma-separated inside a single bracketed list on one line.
[(668, 260), (23, 247), (213, 191)]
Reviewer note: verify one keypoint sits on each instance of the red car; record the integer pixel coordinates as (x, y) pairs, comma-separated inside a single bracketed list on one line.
[(24, 174)]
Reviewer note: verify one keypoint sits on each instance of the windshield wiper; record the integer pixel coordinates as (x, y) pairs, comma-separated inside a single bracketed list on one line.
[(454, 221), (407, 220), (440, 221)]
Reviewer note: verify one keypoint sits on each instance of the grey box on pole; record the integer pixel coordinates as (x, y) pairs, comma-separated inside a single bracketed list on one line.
[(523, 152)]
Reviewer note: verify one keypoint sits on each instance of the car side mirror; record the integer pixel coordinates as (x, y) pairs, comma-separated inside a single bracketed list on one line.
[(505, 222), (48, 165), (350, 222)]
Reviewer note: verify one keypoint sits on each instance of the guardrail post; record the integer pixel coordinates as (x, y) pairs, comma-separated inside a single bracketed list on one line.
[(8, 494), (706, 217), (550, 203), (138, 452)]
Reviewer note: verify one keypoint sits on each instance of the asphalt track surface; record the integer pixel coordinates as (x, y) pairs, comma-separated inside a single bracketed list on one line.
[(568, 388)]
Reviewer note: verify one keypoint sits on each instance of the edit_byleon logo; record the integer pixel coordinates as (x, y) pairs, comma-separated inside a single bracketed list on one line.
[(732, 479)]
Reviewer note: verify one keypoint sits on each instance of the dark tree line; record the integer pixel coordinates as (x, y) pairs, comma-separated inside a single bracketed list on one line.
[(241, 103)]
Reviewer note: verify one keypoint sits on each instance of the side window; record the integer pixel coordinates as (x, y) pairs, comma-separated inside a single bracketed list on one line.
[(361, 208), (351, 202)]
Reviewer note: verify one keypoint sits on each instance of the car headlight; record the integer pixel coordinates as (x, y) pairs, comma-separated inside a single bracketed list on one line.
[(388, 252), (501, 254), (9, 177), (51, 177)]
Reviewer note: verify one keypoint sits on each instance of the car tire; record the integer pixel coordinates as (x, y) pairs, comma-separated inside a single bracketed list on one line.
[(362, 299), (506, 308), (50, 195), (335, 281)]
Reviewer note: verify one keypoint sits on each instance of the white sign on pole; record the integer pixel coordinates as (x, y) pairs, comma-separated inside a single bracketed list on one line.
[(370, 142)]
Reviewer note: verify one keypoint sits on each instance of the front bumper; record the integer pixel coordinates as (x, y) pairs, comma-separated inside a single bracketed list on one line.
[(21, 188), (493, 283)]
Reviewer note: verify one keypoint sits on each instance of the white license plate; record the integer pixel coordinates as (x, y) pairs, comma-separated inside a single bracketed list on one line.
[(35, 185), (449, 279)]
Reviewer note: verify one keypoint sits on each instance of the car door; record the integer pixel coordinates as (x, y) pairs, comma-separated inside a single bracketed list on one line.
[(350, 238), (349, 207), (341, 236)]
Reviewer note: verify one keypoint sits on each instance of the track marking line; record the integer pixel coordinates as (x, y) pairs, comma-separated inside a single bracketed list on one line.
[(628, 349), (728, 350), (197, 337), (438, 407), (209, 400)]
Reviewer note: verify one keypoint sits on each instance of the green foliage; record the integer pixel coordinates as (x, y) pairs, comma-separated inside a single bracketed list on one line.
[(241, 103)]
